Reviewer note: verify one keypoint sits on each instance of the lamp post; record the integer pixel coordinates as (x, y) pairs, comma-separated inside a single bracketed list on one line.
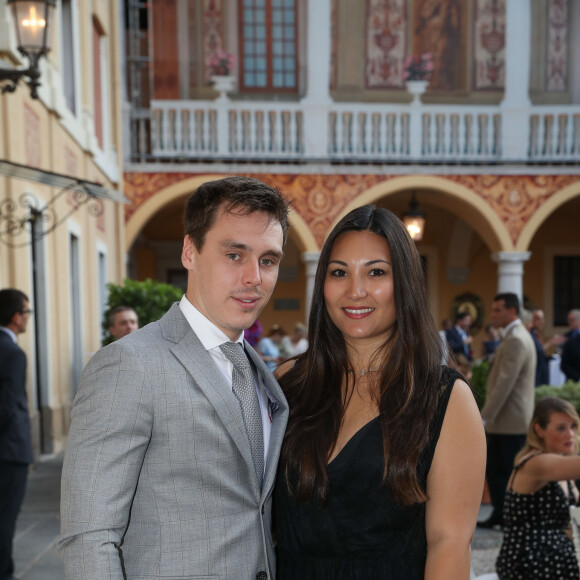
[(32, 19), (414, 221)]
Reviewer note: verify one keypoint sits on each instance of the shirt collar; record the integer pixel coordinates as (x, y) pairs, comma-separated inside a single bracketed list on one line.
[(9, 333), (504, 331), (207, 332)]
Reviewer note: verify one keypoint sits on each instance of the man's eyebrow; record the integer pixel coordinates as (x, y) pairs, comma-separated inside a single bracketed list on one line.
[(369, 263), (235, 245)]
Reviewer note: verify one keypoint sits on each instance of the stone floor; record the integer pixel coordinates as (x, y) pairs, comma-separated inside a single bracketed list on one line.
[(485, 546), (38, 528)]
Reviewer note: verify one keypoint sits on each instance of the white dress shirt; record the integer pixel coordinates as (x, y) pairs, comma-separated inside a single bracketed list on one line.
[(211, 337), (504, 331)]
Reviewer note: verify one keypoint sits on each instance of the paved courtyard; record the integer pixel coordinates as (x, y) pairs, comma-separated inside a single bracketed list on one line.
[(38, 528)]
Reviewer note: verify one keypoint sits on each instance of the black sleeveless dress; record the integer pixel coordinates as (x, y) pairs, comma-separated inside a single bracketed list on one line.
[(535, 546), (361, 533)]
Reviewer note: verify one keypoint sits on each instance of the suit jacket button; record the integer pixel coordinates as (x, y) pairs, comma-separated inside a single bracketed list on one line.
[(261, 575)]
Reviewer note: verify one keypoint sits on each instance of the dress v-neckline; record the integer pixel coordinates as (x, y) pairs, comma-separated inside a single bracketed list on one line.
[(355, 435)]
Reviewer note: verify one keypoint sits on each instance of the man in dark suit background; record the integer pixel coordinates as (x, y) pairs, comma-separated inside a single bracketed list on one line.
[(15, 441), (570, 363), (458, 337)]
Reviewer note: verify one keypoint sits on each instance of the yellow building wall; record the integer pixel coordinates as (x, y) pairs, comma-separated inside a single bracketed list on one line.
[(32, 133)]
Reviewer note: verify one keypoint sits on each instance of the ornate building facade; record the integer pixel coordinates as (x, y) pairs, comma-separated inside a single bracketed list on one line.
[(320, 108)]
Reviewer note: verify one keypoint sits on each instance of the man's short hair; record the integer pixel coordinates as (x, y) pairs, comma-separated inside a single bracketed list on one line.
[(461, 315), (510, 300), (11, 302), (116, 311), (240, 195)]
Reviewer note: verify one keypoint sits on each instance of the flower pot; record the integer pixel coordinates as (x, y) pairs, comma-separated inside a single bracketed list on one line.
[(416, 88), (223, 84)]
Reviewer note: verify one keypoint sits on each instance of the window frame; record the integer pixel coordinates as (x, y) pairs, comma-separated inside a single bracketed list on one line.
[(269, 88)]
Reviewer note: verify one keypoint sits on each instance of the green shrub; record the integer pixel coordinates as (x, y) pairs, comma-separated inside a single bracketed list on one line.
[(150, 300), (569, 391), (479, 372)]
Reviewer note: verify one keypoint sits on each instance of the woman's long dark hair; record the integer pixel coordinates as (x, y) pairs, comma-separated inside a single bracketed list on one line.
[(408, 384)]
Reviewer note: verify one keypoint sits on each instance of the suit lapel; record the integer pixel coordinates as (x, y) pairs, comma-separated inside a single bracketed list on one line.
[(279, 413), (198, 363)]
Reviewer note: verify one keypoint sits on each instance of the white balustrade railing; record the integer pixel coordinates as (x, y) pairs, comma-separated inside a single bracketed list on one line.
[(400, 132), (207, 129), (554, 134), (357, 132)]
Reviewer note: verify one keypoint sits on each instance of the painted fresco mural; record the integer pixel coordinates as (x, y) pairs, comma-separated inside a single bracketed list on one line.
[(319, 199)]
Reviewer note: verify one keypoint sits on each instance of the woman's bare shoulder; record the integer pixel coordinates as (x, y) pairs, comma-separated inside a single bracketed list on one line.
[(284, 368)]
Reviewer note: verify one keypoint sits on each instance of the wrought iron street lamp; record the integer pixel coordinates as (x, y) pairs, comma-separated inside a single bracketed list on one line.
[(33, 19), (414, 221)]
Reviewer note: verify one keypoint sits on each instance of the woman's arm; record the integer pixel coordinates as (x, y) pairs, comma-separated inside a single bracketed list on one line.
[(547, 467), (454, 488)]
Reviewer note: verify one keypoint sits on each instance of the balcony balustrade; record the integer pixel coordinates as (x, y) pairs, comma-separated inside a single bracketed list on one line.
[(197, 131)]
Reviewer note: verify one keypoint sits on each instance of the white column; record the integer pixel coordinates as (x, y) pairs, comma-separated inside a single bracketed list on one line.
[(310, 260), (317, 51), (516, 101), (316, 100), (510, 271)]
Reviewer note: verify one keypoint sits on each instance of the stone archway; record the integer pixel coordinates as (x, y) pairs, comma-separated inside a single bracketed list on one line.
[(299, 230), (546, 209), (472, 208)]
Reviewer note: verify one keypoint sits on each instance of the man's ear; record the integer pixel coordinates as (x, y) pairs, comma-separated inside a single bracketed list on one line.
[(188, 253)]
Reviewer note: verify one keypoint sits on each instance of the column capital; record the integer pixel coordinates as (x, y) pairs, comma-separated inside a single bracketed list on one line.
[(518, 257), (310, 259), (510, 271)]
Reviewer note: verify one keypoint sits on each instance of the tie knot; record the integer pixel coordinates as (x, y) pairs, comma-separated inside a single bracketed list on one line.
[(234, 352)]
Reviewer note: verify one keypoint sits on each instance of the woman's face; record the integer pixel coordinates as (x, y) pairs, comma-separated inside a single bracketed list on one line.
[(359, 289), (560, 434)]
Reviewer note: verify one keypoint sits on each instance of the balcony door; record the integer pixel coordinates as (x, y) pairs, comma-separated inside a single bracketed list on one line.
[(268, 47)]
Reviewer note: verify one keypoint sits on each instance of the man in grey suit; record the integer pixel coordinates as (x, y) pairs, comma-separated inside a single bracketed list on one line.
[(166, 473), (509, 402), (15, 441)]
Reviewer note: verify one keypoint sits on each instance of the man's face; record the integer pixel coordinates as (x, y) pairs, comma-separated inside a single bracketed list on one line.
[(125, 323), (21, 318), (573, 322), (500, 315), (464, 323), (233, 276), (538, 319)]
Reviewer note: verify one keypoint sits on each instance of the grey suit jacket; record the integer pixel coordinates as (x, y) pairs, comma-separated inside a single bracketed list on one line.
[(509, 401), (158, 478)]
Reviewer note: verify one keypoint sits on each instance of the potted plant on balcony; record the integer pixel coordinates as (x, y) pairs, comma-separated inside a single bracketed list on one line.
[(416, 74), (220, 64)]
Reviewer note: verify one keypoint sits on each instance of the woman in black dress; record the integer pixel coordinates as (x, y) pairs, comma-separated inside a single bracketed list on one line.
[(382, 465), (540, 491)]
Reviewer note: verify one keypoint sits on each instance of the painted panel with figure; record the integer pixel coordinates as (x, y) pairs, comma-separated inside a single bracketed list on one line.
[(439, 28)]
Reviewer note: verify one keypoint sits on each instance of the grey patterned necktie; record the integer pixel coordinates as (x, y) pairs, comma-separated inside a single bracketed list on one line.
[(245, 391)]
